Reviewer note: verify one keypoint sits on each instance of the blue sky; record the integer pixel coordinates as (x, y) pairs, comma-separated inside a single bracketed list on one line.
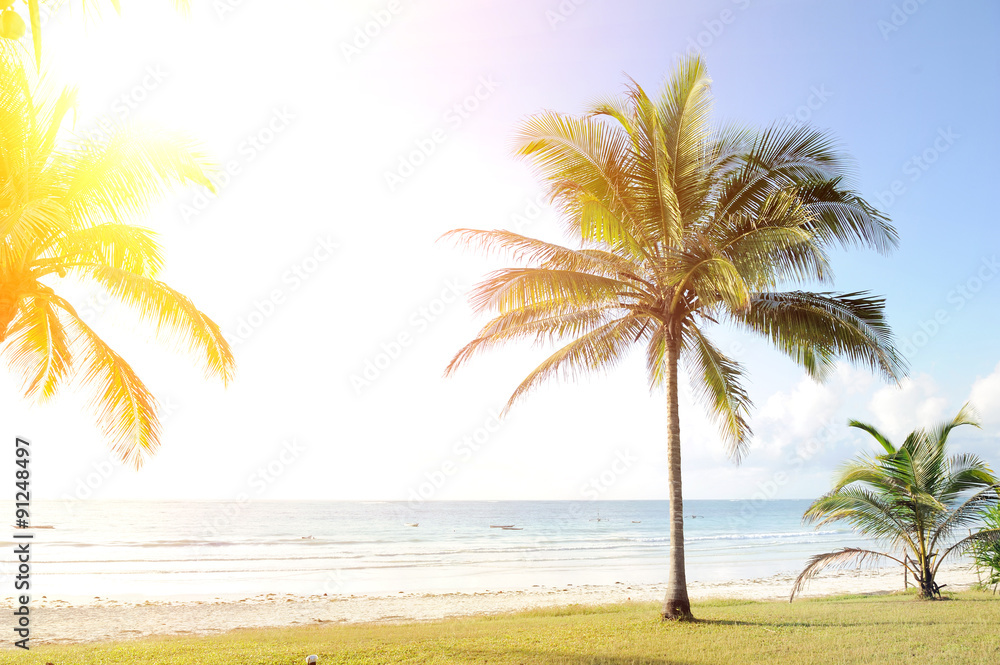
[(318, 255)]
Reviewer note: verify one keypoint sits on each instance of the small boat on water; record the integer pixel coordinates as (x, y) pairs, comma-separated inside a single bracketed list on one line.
[(636, 521), (501, 526), (412, 524), (512, 528)]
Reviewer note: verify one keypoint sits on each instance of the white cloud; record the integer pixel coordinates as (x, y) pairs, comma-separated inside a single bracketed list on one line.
[(916, 402), (809, 411), (985, 395)]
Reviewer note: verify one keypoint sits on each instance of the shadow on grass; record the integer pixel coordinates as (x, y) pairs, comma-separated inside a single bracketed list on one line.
[(549, 658)]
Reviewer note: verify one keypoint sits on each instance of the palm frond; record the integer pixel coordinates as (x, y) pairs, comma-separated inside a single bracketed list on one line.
[(869, 513), (115, 179), (516, 288), (875, 433), (986, 536), (598, 350), (840, 558), (174, 315), (851, 325), (126, 410), (718, 381), (37, 348)]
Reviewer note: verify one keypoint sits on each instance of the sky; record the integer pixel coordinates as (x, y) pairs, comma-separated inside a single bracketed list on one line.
[(350, 136)]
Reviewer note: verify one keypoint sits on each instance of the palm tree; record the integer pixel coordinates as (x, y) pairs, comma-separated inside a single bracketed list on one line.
[(64, 207), (681, 226), (913, 499)]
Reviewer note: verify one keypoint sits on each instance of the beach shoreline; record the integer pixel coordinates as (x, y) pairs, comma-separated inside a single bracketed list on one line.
[(106, 619)]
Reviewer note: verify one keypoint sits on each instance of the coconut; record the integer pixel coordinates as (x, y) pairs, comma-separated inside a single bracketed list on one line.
[(11, 25)]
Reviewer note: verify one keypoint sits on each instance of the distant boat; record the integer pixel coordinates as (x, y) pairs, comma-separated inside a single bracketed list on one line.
[(598, 518), (636, 521), (512, 528), (501, 526), (413, 524), (33, 526)]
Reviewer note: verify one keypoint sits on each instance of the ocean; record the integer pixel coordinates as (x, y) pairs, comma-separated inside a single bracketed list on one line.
[(206, 550)]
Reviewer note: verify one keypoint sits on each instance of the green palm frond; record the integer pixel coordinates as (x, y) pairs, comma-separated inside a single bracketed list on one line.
[(966, 515), (985, 536), (840, 216), (882, 439), (850, 325), (868, 512)]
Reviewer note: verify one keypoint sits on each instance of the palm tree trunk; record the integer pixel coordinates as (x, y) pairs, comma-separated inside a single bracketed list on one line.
[(926, 581), (676, 605)]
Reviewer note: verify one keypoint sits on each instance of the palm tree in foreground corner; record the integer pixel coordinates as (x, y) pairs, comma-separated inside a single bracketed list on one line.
[(63, 212), (913, 499), (682, 225)]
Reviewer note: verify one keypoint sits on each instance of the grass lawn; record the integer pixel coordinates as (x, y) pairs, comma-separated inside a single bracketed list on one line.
[(854, 629)]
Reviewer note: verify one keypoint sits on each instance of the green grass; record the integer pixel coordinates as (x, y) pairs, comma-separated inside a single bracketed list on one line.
[(855, 629)]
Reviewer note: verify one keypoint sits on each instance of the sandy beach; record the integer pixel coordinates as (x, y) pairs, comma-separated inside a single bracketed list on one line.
[(60, 622)]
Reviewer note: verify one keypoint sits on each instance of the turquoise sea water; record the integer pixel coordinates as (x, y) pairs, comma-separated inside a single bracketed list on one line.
[(170, 550)]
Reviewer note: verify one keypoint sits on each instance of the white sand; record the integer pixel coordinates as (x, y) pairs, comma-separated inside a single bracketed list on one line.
[(55, 621)]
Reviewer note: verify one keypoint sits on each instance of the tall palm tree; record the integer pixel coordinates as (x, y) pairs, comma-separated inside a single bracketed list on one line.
[(64, 207), (682, 225), (914, 499)]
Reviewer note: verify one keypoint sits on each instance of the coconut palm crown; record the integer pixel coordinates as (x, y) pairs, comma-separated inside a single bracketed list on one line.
[(913, 499), (64, 211), (682, 225)]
